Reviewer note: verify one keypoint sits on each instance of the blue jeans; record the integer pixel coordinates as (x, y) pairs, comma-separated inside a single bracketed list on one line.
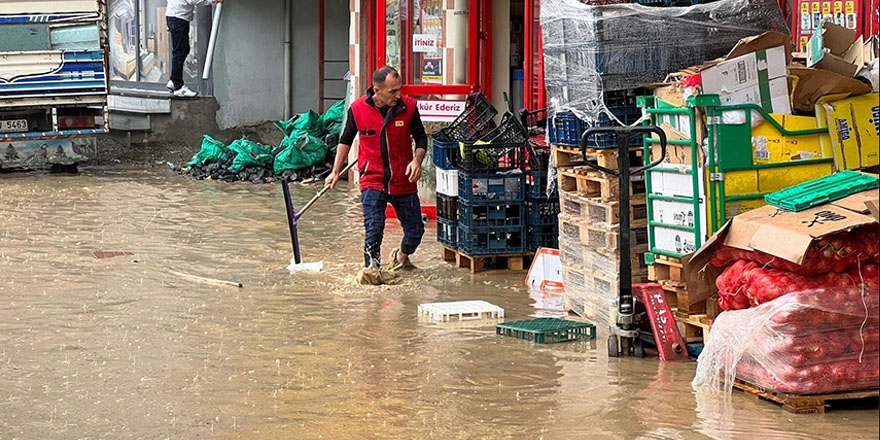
[(409, 212)]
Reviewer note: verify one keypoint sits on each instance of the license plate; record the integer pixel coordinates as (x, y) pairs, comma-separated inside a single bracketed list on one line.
[(14, 125)]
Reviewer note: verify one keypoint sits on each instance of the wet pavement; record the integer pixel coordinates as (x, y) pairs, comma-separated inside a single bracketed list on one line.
[(124, 346)]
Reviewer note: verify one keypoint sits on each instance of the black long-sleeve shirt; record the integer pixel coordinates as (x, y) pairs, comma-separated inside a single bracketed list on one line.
[(416, 129)]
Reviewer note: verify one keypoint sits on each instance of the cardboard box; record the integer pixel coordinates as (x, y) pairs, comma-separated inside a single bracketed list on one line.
[(814, 84), (769, 145), (784, 234), (754, 78), (835, 48), (674, 240), (854, 124)]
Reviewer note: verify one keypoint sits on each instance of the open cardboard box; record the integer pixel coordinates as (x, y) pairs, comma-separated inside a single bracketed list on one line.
[(776, 231), (835, 48)]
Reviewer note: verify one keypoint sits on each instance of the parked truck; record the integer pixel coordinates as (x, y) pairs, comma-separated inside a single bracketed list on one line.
[(53, 82)]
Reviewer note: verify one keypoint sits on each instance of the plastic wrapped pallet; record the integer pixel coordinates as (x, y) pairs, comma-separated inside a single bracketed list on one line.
[(592, 49), (810, 342), (592, 280)]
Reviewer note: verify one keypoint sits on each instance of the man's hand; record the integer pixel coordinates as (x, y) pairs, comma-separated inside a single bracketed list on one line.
[(414, 170), (217, 1), (332, 179)]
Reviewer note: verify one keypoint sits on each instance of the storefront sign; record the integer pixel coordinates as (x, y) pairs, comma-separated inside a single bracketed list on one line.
[(440, 111), (425, 43)]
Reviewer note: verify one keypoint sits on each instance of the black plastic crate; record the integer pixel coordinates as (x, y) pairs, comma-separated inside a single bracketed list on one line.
[(492, 240), (447, 207), (538, 157), (535, 122), (445, 154), (447, 233), (491, 157), (623, 98), (477, 215), (498, 188), (542, 236), (536, 185), (475, 121), (542, 212), (509, 131)]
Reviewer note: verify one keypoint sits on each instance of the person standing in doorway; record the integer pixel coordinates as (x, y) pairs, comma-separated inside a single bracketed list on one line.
[(388, 125), (178, 16)]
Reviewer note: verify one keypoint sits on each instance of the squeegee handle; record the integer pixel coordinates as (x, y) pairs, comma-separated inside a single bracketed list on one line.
[(320, 193)]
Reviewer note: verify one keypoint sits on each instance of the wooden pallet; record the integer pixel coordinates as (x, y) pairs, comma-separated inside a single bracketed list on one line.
[(564, 156), (596, 210), (669, 273), (694, 327), (596, 184), (602, 237), (802, 404), (483, 263)]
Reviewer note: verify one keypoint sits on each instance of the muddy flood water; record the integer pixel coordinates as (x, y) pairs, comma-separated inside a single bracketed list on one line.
[(125, 346)]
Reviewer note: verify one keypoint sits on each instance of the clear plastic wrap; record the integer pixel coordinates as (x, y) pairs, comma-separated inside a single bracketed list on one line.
[(592, 280), (592, 49), (809, 342)]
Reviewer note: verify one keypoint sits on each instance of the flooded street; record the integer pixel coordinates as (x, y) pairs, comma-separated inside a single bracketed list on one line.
[(125, 347)]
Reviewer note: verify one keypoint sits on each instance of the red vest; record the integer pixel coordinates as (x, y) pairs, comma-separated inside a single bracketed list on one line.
[(386, 146)]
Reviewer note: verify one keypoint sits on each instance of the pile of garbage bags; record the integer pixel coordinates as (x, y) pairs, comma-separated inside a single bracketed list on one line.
[(304, 153)]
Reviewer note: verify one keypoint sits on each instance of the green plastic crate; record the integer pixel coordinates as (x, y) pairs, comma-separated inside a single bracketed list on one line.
[(547, 330), (824, 190)]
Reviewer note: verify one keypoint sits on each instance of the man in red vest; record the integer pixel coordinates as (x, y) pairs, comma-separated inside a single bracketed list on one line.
[(387, 125)]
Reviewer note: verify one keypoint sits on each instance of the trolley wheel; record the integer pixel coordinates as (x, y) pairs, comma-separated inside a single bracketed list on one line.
[(626, 346), (638, 348), (613, 347)]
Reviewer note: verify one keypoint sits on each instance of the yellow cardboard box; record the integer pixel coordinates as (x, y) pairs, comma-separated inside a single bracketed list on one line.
[(854, 127), (769, 145)]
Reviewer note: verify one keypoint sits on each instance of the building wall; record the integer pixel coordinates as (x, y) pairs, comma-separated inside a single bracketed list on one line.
[(248, 63)]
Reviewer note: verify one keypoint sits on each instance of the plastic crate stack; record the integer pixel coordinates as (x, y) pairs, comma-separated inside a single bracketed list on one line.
[(491, 191), (487, 209), (542, 195), (475, 121), (445, 157)]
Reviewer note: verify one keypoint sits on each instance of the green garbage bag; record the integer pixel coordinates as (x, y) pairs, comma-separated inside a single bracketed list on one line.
[(300, 152), (332, 116), (335, 129), (249, 153), (212, 151), (305, 123)]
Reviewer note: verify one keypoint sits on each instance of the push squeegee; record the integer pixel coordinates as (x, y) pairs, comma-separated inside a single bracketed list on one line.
[(296, 264)]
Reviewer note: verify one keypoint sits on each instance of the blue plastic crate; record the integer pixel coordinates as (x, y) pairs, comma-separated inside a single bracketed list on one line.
[(500, 188), (492, 240), (445, 155), (542, 236), (542, 212), (447, 233), (475, 215), (536, 185), (566, 129)]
